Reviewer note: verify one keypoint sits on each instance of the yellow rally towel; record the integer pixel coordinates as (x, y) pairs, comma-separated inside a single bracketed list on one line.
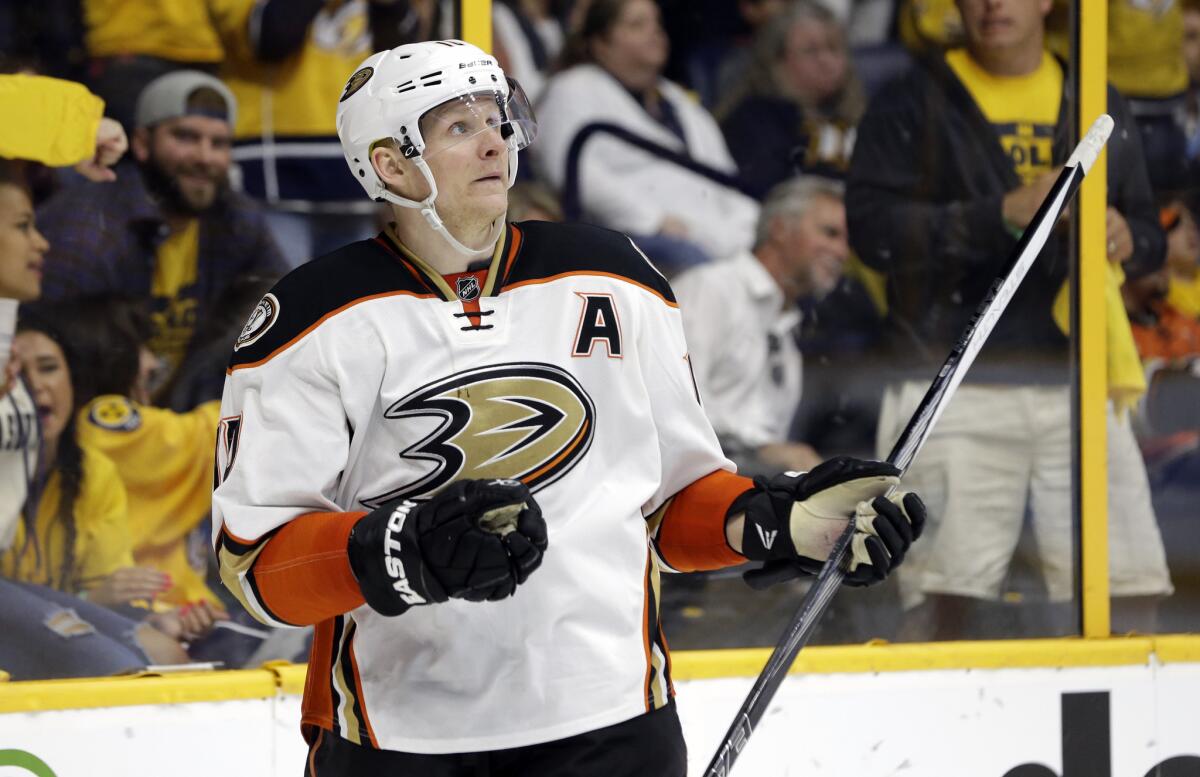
[(1126, 380)]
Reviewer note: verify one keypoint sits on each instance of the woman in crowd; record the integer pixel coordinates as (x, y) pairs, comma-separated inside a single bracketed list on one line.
[(613, 74), (797, 106), (70, 558)]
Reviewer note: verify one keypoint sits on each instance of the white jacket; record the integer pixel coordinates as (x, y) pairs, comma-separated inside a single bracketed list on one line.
[(630, 190)]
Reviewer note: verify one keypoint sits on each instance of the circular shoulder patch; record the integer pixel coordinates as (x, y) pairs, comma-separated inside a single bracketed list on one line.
[(264, 315), (356, 82), (116, 414)]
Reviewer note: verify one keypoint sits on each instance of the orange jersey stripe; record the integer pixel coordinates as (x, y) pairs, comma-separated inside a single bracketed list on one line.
[(303, 574), (317, 705), (594, 274), (692, 535)]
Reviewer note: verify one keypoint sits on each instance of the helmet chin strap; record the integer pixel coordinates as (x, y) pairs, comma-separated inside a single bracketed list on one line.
[(429, 213)]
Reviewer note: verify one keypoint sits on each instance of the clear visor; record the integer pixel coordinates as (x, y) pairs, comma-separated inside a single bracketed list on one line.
[(464, 117)]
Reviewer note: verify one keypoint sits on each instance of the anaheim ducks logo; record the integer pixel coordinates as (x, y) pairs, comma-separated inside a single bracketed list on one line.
[(527, 421)]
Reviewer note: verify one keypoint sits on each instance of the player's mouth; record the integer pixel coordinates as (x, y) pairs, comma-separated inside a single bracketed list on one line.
[(489, 178)]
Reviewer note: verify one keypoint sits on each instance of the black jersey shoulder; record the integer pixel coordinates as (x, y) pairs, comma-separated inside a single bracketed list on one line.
[(306, 295), (548, 249)]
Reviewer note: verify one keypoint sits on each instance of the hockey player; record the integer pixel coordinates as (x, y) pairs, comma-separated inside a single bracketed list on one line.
[(465, 449)]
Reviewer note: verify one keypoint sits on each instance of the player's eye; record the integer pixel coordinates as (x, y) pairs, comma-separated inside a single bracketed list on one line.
[(458, 128)]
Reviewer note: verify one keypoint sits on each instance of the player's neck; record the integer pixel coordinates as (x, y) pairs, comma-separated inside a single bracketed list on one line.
[(432, 248)]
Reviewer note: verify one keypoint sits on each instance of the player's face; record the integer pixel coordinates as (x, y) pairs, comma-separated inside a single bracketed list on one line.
[(45, 367), (999, 25), (468, 156), (192, 154), (814, 60), (818, 246), (21, 246)]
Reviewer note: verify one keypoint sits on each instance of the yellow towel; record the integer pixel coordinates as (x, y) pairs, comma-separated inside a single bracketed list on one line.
[(1126, 381)]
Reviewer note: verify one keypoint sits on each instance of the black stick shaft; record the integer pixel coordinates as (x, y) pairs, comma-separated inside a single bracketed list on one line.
[(815, 602)]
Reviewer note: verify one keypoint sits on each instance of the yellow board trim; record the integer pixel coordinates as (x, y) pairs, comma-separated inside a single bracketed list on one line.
[(127, 691), (476, 18), (281, 677), (1093, 341)]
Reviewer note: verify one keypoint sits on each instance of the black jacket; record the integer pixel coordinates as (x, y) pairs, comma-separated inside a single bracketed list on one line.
[(924, 207)]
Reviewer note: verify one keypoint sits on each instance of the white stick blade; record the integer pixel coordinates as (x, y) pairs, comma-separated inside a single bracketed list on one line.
[(1089, 148)]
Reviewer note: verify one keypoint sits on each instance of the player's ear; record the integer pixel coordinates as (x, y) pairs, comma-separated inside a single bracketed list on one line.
[(385, 158)]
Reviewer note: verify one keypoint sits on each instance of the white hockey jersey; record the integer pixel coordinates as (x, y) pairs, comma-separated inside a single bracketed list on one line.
[(364, 376)]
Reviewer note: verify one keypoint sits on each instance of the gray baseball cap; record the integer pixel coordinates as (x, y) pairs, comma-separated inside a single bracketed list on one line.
[(166, 97)]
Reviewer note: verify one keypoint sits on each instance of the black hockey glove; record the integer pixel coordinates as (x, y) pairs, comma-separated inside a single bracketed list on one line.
[(475, 540), (793, 520)]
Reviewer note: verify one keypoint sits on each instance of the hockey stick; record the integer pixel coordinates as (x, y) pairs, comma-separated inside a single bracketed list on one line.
[(800, 629)]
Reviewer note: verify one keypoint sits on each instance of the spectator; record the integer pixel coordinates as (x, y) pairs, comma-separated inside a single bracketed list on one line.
[(21, 250), (614, 66), (173, 235), (1169, 344), (735, 61), (950, 164), (79, 539), (529, 38), (284, 59), (741, 316), (163, 458), (132, 44), (797, 107), (1183, 258)]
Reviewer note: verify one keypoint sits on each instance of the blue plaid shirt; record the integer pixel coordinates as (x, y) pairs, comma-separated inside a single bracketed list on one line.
[(104, 239)]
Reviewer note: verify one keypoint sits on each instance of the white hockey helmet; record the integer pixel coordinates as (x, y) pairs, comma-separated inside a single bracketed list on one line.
[(392, 90)]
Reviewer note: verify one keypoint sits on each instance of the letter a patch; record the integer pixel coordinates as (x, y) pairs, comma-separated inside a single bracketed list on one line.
[(598, 323)]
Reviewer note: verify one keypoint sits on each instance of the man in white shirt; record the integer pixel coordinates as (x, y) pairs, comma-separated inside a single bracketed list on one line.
[(740, 318)]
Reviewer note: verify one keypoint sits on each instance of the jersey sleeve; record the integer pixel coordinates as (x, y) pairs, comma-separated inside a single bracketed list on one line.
[(698, 483), (59, 120), (104, 544), (282, 441)]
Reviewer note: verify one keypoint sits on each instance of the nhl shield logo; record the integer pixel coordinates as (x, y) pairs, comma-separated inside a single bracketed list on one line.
[(468, 288)]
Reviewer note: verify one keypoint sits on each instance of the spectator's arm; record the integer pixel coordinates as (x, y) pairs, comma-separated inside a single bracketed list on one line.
[(1128, 175), (105, 533), (58, 120), (278, 28)]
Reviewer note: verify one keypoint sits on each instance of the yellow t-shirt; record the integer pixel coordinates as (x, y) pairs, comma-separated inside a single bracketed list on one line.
[(295, 97), (1184, 295), (171, 29), (174, 312), (1022, 109), (58, 122), (102, 544), (165, 460)]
